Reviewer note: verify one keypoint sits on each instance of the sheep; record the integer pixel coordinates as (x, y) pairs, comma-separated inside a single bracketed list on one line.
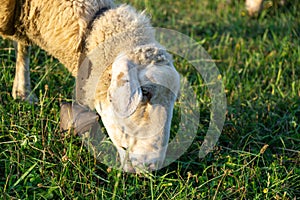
[(137, 89), (254, 7)]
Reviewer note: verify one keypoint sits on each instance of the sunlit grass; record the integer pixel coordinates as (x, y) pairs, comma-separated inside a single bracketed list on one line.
[(257, 155)]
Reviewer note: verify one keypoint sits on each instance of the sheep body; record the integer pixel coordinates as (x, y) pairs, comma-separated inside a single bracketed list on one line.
[(7, 17), (254, 7), (120, 48), (56, 26)]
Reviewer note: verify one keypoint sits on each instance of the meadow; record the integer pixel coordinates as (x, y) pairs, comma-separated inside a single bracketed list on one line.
[(256, 157)]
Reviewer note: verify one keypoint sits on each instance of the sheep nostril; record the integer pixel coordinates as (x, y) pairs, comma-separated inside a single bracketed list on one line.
[(152, 166)]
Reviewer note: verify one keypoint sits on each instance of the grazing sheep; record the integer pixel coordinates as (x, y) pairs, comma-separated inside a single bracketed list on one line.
[(254, 7), (138, 87)]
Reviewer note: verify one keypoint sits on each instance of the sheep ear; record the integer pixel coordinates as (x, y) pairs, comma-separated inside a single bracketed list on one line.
[(125, 92)]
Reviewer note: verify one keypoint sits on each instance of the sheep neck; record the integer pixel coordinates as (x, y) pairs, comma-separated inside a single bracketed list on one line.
[(117, 31)]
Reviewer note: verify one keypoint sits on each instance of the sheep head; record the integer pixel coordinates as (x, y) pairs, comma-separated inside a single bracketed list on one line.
[(138, 105)]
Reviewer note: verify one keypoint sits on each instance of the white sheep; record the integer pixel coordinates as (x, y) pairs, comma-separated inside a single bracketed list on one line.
[(254, 7), (137, 90)]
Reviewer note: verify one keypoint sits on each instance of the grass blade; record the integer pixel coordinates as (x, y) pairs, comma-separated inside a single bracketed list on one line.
[(24, 175)]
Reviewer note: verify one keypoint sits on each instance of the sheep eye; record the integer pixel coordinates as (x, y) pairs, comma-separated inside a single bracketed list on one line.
[(147, 94)]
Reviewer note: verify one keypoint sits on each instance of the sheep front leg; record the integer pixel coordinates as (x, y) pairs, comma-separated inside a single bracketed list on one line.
[(21, 87)]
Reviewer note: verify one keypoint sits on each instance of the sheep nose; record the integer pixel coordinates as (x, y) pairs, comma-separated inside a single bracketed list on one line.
[(152, 166), (144, 167), (129, 168), (141, 167)]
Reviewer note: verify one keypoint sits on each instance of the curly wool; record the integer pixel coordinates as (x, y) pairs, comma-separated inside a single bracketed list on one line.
[(7, 17), (61, 28), (150, 54), (56, 26)]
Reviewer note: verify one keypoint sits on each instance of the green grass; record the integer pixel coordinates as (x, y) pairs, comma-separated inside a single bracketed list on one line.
[(256, 157)]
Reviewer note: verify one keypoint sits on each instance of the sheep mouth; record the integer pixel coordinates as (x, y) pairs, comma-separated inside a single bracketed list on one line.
[(141, 162)]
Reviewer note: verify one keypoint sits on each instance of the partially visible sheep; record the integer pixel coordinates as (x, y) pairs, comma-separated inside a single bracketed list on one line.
[(7, 12), (138, 86), (254, 7)]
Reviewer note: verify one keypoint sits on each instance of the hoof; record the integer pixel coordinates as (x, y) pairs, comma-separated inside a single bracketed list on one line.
[(77, 117), (27, 96)]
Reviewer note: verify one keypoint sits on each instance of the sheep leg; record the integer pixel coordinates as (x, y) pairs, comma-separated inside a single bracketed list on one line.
[(21, 87)]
